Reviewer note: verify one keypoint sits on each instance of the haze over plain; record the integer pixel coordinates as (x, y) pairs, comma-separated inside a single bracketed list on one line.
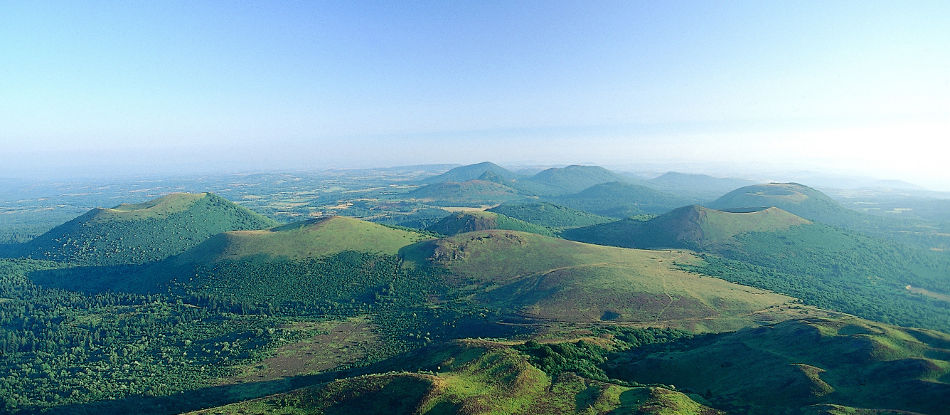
[(106, 88)]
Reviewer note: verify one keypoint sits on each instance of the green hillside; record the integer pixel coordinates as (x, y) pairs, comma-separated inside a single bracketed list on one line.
[(792, 197), (470, 377), (473, 172), (700, 186), (144, 232), (467, 193), (478, 221), (549, 215), (824, 266), (793, 365), (570, 179), (620, 200), (300, 240), (691, 227), (556, 280)]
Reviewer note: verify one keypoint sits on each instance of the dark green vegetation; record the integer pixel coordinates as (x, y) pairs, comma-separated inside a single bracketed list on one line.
[(142, 232), (621, 200), (337, 315), (549, 215), (792, 197), (478, 221), (772, 249), (467, 193), (472, 377), (796, 364), (473, 172)]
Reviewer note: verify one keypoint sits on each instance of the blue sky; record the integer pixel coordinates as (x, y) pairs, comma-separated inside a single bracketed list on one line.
[(180, 86)]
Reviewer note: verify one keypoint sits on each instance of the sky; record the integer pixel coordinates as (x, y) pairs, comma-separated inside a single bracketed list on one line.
[(179, 86)]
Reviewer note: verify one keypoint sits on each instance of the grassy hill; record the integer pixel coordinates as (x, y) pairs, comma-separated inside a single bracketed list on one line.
[(467, 193), (549, 215), (301, 240), (473, 172), (699, 186), (801, 200), (826, 267), (557, 280), (691, 227), (620, 200), (143, 232), (570, 179), (470, 377), (477, 221), (803, 366)]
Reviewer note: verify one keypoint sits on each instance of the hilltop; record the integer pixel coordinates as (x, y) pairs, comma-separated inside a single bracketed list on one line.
[(799, 199), (620, 200), (473, 172), (549, 215), (554, 279), (143, 232), (700, 186), (570, 179), (805, 364), (691, 227), (461, 222), (467, 193)]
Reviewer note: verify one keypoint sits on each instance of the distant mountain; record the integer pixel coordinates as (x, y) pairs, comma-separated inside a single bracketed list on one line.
[(698, 186), (793, 197), (549, 215), (472, 172), (143, 232), (570, 179), (620, 200), (461, 222), (467, 193), (692, 227)]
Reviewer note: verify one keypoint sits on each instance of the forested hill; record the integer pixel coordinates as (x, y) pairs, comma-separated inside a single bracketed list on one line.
[(799, 199), (144, 232)]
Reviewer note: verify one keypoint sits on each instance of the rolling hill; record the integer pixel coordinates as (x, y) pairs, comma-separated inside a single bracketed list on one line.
[(472, 172), (552, 279), (549, 215), (699, 186), (570, 179), (801, 200), (620, 200), (143, 232), (690, 227), (461, 222), (467, 193), (470, 377), (807, 365)]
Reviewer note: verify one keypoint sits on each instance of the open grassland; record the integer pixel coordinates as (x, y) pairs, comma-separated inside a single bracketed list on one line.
[(552, 279)]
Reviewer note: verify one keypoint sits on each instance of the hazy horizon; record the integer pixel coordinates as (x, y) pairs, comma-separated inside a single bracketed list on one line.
[(106, 88)]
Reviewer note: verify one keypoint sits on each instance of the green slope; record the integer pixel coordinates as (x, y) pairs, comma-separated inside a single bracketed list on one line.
[(824, 266), (549, 215), (138, 233), (472, 172), (552, 279), (620, 200), (467, 193), (570, 179), (788, 367), (301, 240), (470, 377), (477, 221), (691, 227), (793, 197)]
